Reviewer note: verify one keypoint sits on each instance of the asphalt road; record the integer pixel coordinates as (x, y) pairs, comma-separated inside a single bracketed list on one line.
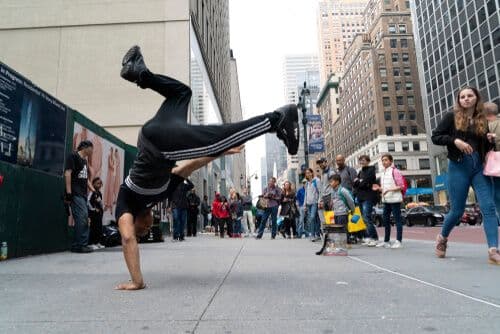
[(209, 285)]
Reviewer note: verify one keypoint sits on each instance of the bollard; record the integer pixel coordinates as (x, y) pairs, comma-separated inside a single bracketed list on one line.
[(336, 240)]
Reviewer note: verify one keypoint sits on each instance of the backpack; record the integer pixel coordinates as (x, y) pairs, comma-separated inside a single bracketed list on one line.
[(400, 180), (342, 197)]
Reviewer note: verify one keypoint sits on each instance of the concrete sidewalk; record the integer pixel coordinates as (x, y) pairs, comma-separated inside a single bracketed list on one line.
[(209, 285)]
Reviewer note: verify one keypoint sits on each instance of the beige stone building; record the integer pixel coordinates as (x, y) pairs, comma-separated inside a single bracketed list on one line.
[(380, 99), (329, 108), (338, 22), (73, 50)]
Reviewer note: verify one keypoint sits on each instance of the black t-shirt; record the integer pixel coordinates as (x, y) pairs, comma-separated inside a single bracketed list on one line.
[(79, 174)]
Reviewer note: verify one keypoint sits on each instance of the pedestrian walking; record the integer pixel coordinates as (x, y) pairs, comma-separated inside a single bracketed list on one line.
[(464, 133), (491, 111), (168, 138), (367, 197), (392, 188), (205, 210), (225, 221), (236, 209), (216, 215), (76, 177), (271, 195)]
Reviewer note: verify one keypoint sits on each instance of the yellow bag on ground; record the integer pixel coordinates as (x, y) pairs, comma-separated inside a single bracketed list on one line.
[(356, 227), (329, 217)]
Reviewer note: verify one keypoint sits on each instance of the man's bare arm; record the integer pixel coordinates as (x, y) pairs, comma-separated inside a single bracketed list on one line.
[(131, 253)]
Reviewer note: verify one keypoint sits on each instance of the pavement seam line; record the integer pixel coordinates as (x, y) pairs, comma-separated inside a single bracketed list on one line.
[(426, 283), (218, 288)]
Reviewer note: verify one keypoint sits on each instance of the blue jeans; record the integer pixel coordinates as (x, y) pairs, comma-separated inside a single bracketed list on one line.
[(312, 220), (395, 208), (461, 175), (273, 212), (366, 207), (237, 225), (80, 214), (180, 220), (300, 222)]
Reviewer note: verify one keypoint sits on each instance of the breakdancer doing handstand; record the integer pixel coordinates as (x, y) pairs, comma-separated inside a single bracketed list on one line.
[(166, 139)]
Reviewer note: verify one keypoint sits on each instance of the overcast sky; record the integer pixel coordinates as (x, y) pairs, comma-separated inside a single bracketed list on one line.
[(262, 34)]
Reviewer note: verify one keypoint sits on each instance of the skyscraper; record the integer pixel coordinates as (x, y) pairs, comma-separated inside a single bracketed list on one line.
[(338, 22)]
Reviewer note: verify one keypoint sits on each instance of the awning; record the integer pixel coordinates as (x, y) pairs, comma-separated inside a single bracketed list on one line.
[(418, 191), (441, 182)]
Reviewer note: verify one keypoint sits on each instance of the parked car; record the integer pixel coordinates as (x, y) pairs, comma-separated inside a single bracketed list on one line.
[(378, 213), (472, 216), (424, 215)]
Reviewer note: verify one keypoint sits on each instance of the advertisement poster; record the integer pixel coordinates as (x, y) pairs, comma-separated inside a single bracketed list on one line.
[(316, 139), (32, 124), (107, 162)]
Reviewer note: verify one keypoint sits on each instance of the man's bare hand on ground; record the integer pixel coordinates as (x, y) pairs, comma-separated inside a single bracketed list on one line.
[(130, 286), (235, 150)]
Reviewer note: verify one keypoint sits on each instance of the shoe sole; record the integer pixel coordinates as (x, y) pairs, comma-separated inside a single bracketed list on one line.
[(292, 149), (131, 54)]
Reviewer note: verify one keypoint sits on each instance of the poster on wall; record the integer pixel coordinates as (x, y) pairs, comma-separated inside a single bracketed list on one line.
[(316, 139), (32, 124), (107, 163)]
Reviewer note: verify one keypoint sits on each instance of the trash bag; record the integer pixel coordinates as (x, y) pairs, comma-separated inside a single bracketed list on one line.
[(111, 235)]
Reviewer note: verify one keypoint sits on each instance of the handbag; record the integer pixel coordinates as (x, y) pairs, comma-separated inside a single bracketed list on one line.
[(356, 222), (264, 203), (492, 166)]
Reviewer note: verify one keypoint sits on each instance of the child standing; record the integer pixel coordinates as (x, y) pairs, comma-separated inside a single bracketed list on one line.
[(342, 203), (95, 215)]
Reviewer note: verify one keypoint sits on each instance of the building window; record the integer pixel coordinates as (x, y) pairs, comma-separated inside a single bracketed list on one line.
[(411, 100), (385, 86), (404, 43), (402, 29), (486, 44), (387, 102), (391, 147), (401, 115), (396, 72), (405, 57), (394, 43), (392, 28), (409, 86), (477, 51), (395, 57), (387, 115), (383, 72), (402, 131), (388, 130), (424, 164), (407, 71), (413, 116), (381, 59), (399, 100), (416, 146), (414, 130), (400, 164), (397, 86), (406, 146)]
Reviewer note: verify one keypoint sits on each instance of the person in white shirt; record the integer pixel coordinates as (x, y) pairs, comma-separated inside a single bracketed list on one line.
[(391, 186)]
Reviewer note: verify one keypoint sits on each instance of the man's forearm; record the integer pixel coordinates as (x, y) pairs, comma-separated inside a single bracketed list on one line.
[(186, 167), (67, 181), (131, 254)]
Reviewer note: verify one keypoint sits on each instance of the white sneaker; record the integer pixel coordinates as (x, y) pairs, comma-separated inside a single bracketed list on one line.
[(99, 246), (397, 244), (93, 247), (366, 241), (383, 244), (372, 243)]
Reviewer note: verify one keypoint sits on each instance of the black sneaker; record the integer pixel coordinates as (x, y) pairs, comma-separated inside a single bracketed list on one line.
[(287, 128), (133, 65), (84, 249)]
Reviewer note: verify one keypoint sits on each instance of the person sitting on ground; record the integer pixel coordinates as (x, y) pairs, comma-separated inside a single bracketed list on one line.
[(170, 149)]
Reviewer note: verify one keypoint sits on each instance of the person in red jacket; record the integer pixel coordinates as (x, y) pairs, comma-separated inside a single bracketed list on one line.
[(225, 218), (216, 212)]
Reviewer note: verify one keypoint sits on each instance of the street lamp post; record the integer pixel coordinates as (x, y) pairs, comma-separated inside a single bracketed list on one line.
[(303, 106)]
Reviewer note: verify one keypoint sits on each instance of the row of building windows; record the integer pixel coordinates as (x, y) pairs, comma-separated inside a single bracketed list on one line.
[(386, 101), (393, 28), (396, 71), (394, 43), (405, 146), (402, 116), (403, 130), (423, 164), (398, 86)]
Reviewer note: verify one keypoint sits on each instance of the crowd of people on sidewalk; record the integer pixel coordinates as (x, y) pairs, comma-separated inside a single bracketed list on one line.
[(470, 133)]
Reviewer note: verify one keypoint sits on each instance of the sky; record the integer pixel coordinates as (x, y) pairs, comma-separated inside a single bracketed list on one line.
[(262, 33)]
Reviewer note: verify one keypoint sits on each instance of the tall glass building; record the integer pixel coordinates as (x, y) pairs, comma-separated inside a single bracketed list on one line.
[(458, 44)]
